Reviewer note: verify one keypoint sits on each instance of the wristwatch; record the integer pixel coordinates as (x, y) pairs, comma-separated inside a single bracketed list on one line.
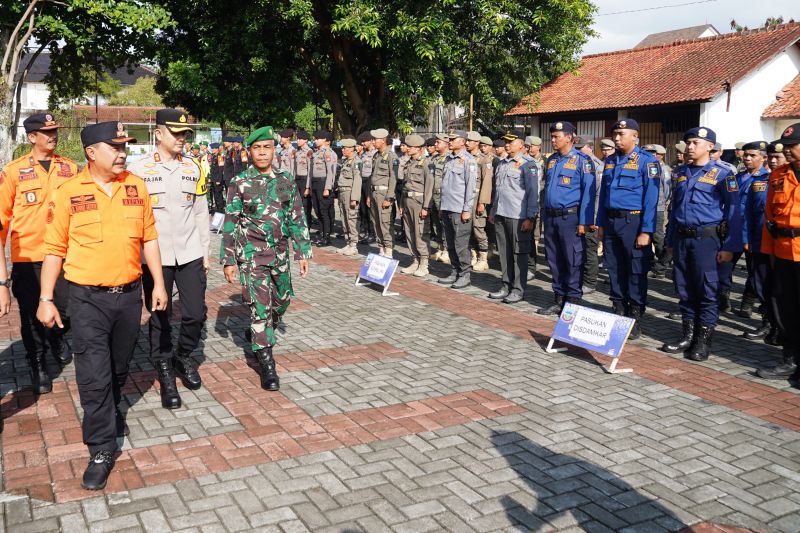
[(5, 283)]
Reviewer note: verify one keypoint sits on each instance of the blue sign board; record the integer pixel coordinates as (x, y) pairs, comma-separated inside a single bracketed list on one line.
[(378, 269), (598, 331)]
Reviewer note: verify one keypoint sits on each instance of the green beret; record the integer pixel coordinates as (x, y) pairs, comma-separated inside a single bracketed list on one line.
[(265, 133), (203, 143), (195, 147)]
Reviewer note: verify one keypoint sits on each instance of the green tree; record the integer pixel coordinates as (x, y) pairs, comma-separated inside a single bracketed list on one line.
[(371, 61), (82, 36), (141, 93)]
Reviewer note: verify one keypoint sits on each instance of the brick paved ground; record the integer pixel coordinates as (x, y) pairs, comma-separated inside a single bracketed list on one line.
[(427, 411)]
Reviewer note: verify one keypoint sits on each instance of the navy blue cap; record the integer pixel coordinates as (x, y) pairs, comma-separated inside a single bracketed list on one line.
[(513, 135), (228, 138), (700, 133), (213, 145), (238, 139), (105, 132), (790, 135), (40, 122), (499, 143), (566, 127), (775, 147), (755, 145), (625, 124)]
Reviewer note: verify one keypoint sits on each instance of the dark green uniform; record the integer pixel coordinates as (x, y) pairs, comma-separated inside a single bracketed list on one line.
[(263, 212)]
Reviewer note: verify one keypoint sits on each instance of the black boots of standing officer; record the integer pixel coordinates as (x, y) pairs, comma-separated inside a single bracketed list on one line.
[(788, 366), (695, 341), (59, 347), (269, 376)]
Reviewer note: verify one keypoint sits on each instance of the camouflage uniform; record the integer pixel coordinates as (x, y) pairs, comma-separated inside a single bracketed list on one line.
[(263, 212)]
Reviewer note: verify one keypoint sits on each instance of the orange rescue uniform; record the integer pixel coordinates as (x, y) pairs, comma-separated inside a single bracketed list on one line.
[(783, 209), (26, 189), (95, 232)]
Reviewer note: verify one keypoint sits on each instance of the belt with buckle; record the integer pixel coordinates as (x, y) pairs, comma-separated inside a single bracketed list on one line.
[(411, 194), (560, 211), (119, 289), (380, 188), (621, 213), (694, 232)]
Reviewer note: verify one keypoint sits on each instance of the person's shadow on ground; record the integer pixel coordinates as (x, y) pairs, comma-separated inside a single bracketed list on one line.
[(570, 490)]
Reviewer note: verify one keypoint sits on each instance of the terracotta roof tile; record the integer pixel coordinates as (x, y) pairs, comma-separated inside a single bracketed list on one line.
[(787, 102), (684, 71)]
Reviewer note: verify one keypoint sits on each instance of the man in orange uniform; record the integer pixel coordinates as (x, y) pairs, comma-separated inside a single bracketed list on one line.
[(26, 185), (781, 239), (96, 225)]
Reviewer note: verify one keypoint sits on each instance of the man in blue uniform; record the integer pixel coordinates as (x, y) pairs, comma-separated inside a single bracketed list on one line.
[(704, 230), (514, 208), (754, 155), (626, 220), (568, 212)]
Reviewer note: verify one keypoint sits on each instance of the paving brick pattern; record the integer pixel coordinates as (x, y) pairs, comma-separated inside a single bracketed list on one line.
[(447, 415)]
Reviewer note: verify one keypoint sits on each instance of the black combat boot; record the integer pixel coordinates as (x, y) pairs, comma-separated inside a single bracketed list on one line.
[(773, 338), (724, 301), (785, 369), (170, 399), (618, 308), (635, 312), (269, 376), (701, 345), (760, 332), (186, 369), (685, 340), (555, 308), (60, 349), (42, 384), (96, 474), (746, 309)]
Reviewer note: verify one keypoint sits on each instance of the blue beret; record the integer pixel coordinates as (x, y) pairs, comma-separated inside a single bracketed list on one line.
[(228, 138), (213, 145), (625, 124), (238, 139), (700, 133), (566, 127)]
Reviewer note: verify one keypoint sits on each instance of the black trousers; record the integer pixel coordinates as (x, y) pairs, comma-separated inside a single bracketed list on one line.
[(786, 294), (323, 207), (364, 218), (105, 327), (591, 265), (457, 234), (300, 181), (218, 195), (663, 255), (191, 281), (25, 284), (513, 247)]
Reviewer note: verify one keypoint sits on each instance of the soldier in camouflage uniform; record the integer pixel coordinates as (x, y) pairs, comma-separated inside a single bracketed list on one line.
[(436, 166), (263, 212)]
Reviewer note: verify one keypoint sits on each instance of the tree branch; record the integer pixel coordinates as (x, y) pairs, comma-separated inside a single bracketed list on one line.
[(12, 39), (21, 82), (20, 45)]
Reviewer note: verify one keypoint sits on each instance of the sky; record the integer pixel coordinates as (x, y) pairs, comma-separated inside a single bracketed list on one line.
[(624, 30)]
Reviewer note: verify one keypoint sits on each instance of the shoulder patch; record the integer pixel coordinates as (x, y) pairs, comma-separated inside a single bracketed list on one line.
[(731, 184), (653, 170), (588, 166)]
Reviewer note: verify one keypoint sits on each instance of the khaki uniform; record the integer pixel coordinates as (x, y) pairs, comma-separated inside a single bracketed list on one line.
[(385, 167), (417, 193), (350, 191), (483, 195), (436, 168)]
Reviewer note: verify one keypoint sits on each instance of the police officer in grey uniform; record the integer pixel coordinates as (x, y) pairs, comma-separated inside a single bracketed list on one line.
[(385, 166), (349, 190), (288, 153), (302, 159), (515, 205), (458, 192), (416, 199), (183, 238), (320, 182)]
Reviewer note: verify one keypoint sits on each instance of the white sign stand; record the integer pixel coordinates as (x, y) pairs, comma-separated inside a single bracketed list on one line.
[(379, 270), (216, 222)]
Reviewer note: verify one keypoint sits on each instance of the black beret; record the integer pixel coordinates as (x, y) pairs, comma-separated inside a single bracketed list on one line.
[(288, 132), (431, 141), (303, 134), (364, 136), (499, 143)]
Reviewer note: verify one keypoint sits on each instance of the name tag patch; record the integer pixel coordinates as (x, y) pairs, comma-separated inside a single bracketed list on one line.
[(84, 202)]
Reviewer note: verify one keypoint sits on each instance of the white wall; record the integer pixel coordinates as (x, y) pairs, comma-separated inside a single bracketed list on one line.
[(749, 97)]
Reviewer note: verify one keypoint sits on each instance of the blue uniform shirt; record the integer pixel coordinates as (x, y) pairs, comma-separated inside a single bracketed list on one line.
[(754, 208), (631, 183), (458, 182), (570, 182), (705, 196), (516, 189)]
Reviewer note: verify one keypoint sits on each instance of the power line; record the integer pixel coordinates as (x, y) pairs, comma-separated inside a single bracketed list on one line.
[(654, 8)]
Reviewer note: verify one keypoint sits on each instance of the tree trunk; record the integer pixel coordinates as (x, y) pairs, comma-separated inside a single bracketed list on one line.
[(8, 132)]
